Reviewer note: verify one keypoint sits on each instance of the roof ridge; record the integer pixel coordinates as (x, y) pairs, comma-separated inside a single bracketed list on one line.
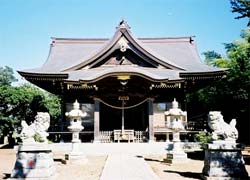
[(78, 39), (167, 37), (164, 37), (147, 39)]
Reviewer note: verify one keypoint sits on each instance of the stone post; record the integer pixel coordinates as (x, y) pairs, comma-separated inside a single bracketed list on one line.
[(150, 120), (96, 121)]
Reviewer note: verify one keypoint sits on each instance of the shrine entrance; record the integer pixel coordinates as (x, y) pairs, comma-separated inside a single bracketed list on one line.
[(127, 122), (135, 118)]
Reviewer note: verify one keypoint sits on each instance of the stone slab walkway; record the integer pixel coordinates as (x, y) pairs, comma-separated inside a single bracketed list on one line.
[(127, 167)]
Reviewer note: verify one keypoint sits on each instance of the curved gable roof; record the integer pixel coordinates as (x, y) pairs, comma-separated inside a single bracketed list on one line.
[(70, 54), (73, 54), (123, 31)]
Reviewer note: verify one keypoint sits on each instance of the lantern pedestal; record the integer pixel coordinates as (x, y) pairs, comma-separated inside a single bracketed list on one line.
[(177, 155), (76, 156)]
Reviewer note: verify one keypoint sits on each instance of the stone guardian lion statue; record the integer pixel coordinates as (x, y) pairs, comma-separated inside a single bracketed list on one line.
[(221, 129), (37, 130)]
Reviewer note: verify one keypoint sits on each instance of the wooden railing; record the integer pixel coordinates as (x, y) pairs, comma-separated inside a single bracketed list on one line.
[(106, 136), (124, 135), (140, 136), (115, 136)]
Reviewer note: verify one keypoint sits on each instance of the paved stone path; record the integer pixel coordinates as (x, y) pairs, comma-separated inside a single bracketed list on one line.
[(127, 167)]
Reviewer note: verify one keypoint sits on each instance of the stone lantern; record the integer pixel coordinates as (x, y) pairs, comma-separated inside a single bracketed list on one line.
[(75, 116), (176, 120)]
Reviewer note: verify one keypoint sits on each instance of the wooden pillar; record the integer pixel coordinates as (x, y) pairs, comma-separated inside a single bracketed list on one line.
[(96, 121), (167, 137), (150, 121), (62, 119)]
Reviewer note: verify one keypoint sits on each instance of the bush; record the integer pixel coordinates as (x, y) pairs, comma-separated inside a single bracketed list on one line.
[(203, 138), (38, 138)]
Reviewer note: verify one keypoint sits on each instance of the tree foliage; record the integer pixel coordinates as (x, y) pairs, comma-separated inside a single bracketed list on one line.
[(6, 76), (242, 7), (211, 55), (22, 103), (213, 58), (239, 74), (203, 138), (231, 94)]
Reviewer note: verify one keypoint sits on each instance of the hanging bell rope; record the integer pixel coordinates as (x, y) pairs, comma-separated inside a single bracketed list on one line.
[(119, 107)]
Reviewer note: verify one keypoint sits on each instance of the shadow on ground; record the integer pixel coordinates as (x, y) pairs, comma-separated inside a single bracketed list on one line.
[(6, 176), (148, 159), (186, 174), (7, 146), (196, 155), (247, 159), (60, 160)]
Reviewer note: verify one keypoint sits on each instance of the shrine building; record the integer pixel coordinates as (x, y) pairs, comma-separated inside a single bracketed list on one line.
[(123, 83)]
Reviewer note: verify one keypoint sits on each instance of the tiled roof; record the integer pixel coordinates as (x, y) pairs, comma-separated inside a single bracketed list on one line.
[(67, 53)]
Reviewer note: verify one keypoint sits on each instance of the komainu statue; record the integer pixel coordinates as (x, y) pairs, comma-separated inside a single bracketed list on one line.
[(222, 130), (36, 132)]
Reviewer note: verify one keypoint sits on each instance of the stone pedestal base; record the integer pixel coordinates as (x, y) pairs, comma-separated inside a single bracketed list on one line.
[(34, 161), (224, 161), (96, 141), (176, 157), (151, 141), (76, 156)]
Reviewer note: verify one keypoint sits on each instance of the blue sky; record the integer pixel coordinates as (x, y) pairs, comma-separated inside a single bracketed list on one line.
[(27, 25)]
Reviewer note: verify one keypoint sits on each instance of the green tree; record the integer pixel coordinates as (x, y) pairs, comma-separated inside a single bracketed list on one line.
[(53, 104), (238, 79), (242, 7), (210, 55), (231, 94), (215, 59), (22, 103), (6, 76)]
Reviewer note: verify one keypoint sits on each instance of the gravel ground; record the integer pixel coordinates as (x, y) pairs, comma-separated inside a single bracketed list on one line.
[(93, 169), (90, 171), (7, 161), (186, 171)]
